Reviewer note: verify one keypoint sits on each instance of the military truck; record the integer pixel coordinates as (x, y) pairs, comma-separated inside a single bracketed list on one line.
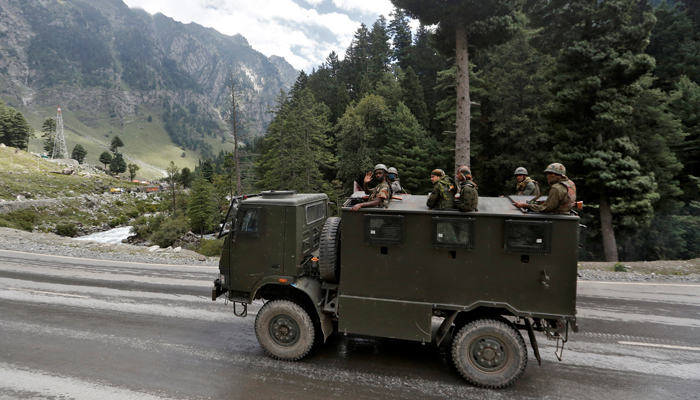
[(403, 272)]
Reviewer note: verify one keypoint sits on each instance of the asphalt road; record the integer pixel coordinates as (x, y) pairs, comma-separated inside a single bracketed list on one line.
[(87, 329)]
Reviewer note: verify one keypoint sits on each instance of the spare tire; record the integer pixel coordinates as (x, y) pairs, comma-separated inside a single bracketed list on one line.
[(329, 251)]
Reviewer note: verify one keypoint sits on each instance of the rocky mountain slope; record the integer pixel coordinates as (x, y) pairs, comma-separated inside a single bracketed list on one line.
[(109, 66)]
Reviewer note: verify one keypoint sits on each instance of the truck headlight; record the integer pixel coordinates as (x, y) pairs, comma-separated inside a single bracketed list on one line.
[(222, 279)]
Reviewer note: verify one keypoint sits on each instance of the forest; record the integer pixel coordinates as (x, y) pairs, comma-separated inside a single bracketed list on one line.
[(607, 88)]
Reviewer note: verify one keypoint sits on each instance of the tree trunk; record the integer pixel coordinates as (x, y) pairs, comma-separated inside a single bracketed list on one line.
[(606, 226), (463, 131)]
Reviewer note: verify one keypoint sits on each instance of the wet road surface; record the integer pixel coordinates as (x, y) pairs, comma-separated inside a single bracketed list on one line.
[(85, 329)]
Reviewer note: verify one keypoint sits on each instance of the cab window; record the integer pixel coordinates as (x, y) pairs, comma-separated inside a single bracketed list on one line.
[(249, 221)]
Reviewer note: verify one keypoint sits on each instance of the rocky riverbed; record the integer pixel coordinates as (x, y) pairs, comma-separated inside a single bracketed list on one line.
[(682, 271)]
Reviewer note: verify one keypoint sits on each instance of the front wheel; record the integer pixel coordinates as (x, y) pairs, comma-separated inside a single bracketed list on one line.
[(489, 353), (285, 330)]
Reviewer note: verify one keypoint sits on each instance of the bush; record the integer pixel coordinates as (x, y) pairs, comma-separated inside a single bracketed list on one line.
[(143, 227), (121, 220), (211, 247), (169, 231), (619, 267), (119, 203), (66, 229), (22, 219), (133, 213)]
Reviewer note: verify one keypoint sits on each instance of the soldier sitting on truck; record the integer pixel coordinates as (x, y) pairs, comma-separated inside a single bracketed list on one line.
[(443, 195), (468, 191), (395, 181), (562, 193), (526, 185), (380, 196)]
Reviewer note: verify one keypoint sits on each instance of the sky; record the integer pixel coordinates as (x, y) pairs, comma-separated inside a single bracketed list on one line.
[(304, 32)]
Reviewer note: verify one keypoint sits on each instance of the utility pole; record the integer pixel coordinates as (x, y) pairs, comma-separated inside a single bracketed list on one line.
[(59, 146)]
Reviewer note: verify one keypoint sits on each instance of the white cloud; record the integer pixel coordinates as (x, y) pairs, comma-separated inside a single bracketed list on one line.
[(303, 36)]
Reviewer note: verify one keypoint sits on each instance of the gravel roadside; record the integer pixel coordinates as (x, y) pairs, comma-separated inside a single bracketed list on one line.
[(51, 244), (687, 271)]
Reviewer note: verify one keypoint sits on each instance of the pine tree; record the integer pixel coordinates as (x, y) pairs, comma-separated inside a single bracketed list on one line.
[(674, 45), (360, 133), (599, 76), (186, 178), (412, 96), (105, 158), (201, 208), (408, 150), (133, 170), (379, 51), (207, 170), (116, 144), (117, 165), (402, 37), (14, 128), (461, 24), (48, 128), (78, 153)]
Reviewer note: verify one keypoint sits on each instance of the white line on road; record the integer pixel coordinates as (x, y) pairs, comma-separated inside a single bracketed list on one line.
[(637, 283), (58, 294), (663, 346)]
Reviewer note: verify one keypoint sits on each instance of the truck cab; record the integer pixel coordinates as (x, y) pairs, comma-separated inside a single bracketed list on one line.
[(388, 272)]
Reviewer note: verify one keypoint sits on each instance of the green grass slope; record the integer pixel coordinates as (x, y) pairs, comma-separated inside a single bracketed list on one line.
[(146, 144)]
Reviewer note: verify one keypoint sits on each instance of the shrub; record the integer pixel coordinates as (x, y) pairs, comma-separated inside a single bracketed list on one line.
[(619, 267), (22, 219), (121, 220), (143, 227), (133, 213), (211, 247), (119, 203), (66, 229), (169, 231)]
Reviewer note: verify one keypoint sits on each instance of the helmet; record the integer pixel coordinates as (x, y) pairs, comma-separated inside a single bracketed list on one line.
[(556, 168), (521, 171), (380, 167), (392, 170), (464, 170), (438, 172)]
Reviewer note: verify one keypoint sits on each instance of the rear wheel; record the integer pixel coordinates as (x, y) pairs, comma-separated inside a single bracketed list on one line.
[(329, 251), (489, 353), (285, 330)]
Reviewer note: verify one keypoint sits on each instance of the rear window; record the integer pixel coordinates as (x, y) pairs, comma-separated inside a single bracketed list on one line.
[(528, 237), (315, 212), (453, 232)]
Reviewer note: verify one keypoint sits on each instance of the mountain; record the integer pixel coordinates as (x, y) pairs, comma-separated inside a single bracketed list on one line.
[(157, 83)]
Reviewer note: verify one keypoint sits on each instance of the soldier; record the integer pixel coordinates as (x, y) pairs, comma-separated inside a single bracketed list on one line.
[(468, 191), (526, 185), (443, 194), (381, 194), (562, 193), (395, 181)]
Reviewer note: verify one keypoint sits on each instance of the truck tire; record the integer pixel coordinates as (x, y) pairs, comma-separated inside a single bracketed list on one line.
[(489, 353), (285, 330), (329, 251)]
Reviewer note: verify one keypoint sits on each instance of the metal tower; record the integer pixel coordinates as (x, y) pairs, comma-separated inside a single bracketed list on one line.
[(59, 145)]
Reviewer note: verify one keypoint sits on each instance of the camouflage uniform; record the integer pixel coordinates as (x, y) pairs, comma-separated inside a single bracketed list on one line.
[(443, 194), (560, 199), (383, 190), (528, 187), (469, 196)]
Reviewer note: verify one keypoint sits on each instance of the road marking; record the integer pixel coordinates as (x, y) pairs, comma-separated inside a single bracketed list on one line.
[(58, 294), (639, 283), (664, 346)]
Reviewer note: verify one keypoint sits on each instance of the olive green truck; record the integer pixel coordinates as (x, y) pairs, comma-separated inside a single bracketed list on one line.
[(403, 272)]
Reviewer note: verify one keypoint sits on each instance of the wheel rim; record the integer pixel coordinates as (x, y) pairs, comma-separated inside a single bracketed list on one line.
[(284, 330), (488, 354)]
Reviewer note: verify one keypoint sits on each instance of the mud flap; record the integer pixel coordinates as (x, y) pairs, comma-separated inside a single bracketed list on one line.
[(445, 327), (312, 288), (533, 341)]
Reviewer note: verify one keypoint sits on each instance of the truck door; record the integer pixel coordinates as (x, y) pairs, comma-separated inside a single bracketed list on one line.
[(258, 250)]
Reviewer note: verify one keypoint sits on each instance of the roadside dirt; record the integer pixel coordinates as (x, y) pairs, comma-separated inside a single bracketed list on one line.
[(661, 267)]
